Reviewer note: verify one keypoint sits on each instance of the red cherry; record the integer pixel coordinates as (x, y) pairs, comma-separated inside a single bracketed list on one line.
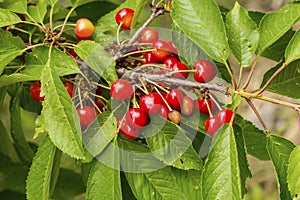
[(202, 107), (176, 65), (162, 50), (173, 49), (84, 28), (164, 111), (126, 130), (99, 103), (174, 98), (69, 87), (121, 90), (137, 118), (149, 58), (73, 53), (125, 16), (224, 116), (86, 115), (212, 125), (35, 91), (187, 106), (149, 35), (206, 71), (151, 103)]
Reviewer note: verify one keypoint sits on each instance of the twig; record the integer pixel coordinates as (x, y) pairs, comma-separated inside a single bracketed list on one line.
[(258, 116), (133, 75), (248, 95), (298, 118), (272, 78), (156, 11)]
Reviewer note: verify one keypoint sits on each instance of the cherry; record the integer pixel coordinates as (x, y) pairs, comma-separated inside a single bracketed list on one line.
[(176, 65), (121, 90), (224, 116), (187, 106), (149, 35), (202, 107), (125, 16), (35, 91), (99, 103), (164, 111), (174, 98), (162, 50), (73, 53), (212, 125), (86, 115), (206, 71), (137, 118), (149, 58), (84, 28), (69, 87), (151, 103), (126, 130), (174, 116)]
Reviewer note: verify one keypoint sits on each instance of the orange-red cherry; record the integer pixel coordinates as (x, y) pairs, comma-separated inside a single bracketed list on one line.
[(84, 28)]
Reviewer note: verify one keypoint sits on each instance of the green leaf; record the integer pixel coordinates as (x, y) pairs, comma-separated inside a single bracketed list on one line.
[(254, 138), (276, 24), (221, 177), (15, 6), (105, 176), (100, 133), (95, 56), (52, 2), (8, 18), (279, 150), (235, 102), (6, 145), (147, 177), (242, 34), (68, 186), (292, 51), (14, 78), (202, 22), (13, 176), (170, 144), (140, 4), (277, 50), (7, 56), (286, 82), (242, 157), (189, 182), (293, 173), (61, 125), (39, 177), (38, 11), (38, 58), (21, 145)]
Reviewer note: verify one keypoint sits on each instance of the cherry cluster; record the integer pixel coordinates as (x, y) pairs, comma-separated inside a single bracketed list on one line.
[(151, 55)]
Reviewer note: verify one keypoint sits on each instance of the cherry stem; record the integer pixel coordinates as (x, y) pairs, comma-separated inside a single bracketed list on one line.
[(152, 78), (231, 75), (135, 52), (250, 74), (208, 108), (51, 18), (258, 116), (144, 86), (215, 101), (101, 85), (100, 97), (163, 98), (118, 33), (179, 71), (80, 98), (160, 87), (65, 22), (272, 78), (95, 105), (160, 66)]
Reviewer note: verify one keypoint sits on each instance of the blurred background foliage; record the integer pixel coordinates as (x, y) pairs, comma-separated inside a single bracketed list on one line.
[(279, 120)]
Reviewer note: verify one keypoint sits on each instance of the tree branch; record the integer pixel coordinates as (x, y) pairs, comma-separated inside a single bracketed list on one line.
[(134, 75)]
